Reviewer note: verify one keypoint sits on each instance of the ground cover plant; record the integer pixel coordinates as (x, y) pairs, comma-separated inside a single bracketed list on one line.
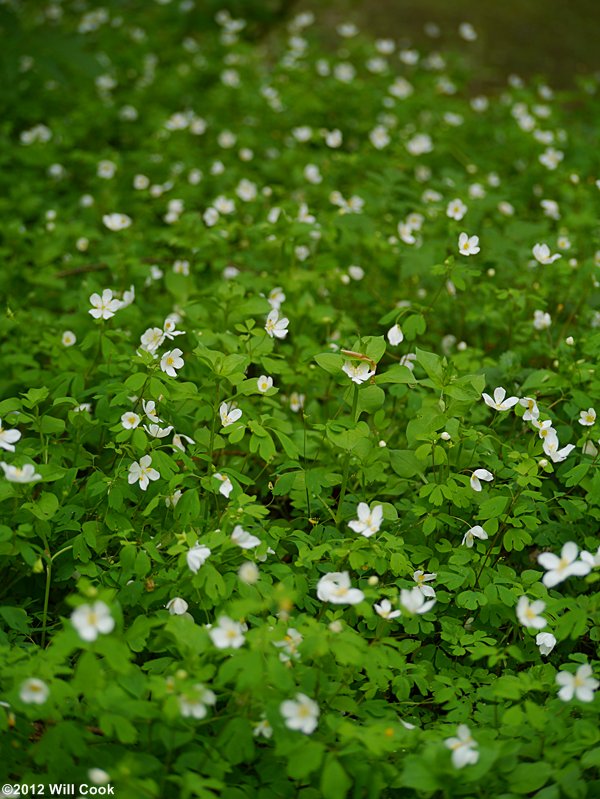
[(300, 490)]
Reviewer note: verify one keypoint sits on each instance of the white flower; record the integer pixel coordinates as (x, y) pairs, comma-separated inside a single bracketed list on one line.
[(264, 383), (296, 401), (528, 613), (335, 587), (301, 714), (456, 209), (226, 486), (248, 572), (421, 577), (358, 373), (551, 158), (263, 728), (98, 776), (395, 335), (480, 474), (150, 410), (130, 420), (116, 221), (151, 339), (170, 327), (499, 402), (544, 428), (546, 642), (68, 338), (276, 327), (407, 360), (156, 431), (128, 297), (379, 137), (197, 557), (20, 474), (474, 532), (8, 438), (224, 205), (531, 409), (193, 703), (592, 560), (468, 245), (369, 521), (541, 320), (171, 361), (467, 31), (181, 267), (463, 747), (210, 216), (413, 600), (586, 418), (551, 447), (581, 684), (559, 569), (105, 306), (244, 539), (289, 645), (227, 634), (178, 439), (541, 253), (384, 609), (551, 208), (312, 174), (276, 298), (419, 144), (142, 472), (229, 414), (333, 138), (356, 272), (405, 231), (246, 190), (177, 606), (33, 692), (172, 500), (89, 620)]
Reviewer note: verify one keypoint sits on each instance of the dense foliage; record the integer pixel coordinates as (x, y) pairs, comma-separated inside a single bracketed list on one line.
[(269, 524)]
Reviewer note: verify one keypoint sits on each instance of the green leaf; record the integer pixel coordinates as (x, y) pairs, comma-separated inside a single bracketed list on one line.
[(370, 399), (335, 782), (396, 374), (305, 759), (433, 366), (374, 347), (405, 463), (45, 507), (187, 510), (34, 396), (331, 362), (528, 777), (413, 326), (15, 618)]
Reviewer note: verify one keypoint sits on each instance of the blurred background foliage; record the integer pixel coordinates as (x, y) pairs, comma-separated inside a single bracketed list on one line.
[(554, 38), (557, 39)]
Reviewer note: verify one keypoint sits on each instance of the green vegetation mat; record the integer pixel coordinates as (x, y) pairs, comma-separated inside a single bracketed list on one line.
[(299, 490)]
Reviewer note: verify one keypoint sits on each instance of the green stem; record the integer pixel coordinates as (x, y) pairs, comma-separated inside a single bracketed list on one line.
[(47, 591), (346, 469), (212, 427)]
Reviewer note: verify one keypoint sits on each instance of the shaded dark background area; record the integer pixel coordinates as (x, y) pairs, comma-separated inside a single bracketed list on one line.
[(559, 39)]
